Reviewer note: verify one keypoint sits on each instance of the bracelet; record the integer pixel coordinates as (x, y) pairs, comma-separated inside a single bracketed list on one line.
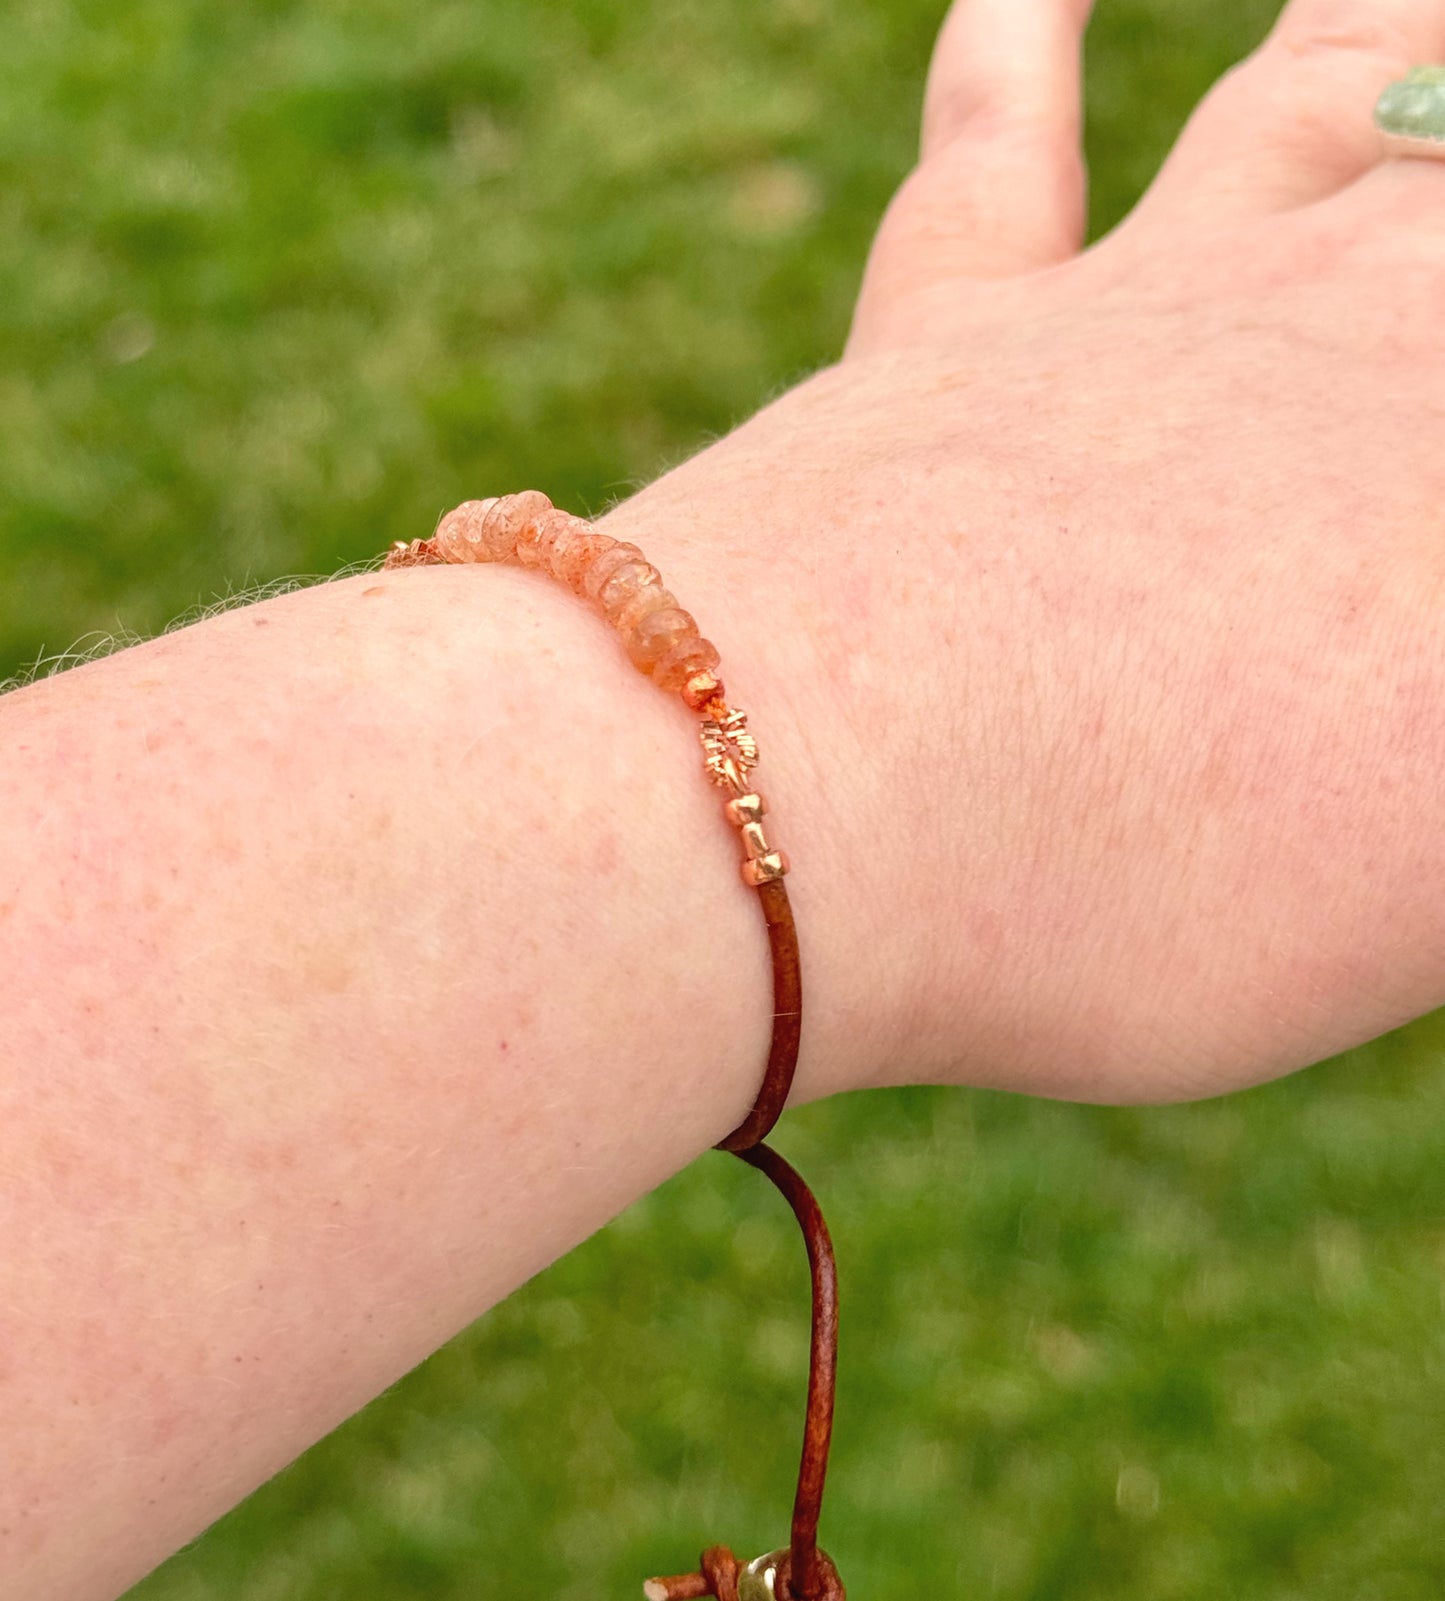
[(664, 642)]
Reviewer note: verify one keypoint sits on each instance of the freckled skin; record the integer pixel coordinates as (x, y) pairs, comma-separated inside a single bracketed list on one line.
[(1091, 617)]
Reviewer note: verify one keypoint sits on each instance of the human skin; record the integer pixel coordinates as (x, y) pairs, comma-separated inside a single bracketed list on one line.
[(369, 947)]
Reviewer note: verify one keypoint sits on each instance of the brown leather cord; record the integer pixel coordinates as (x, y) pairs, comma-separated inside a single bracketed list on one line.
[(803, 1573), (787, 1021), (807, 1573), (720, 1567)]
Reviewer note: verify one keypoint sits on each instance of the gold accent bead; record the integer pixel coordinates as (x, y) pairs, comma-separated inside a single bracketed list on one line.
[(764, 869), (729, 751), (700, 689), (754, 841), (744, 809), (411, 553)]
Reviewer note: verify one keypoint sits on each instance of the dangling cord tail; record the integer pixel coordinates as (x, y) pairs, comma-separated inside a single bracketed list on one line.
[(802, 1570), (664, 642)]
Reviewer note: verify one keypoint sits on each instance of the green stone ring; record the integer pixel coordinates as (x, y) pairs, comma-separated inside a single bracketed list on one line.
[(1411, 114)]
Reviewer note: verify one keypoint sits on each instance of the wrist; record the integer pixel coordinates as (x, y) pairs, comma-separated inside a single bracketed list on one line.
[(840, 771)]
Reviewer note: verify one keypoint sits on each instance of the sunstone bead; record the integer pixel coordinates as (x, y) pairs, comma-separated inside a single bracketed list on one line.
[(606, 564), (684, 661), (509, 519), (626, 583), (573, 567), (534, 542), (459, 533), (1414, 107), (568, 530), (652, 637), (534, 546), (650, 598)]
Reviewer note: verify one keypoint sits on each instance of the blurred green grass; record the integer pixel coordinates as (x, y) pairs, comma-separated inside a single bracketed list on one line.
[(278, 282)]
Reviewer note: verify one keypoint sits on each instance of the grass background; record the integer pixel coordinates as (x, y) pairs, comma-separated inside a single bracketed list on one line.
[(280, 281)]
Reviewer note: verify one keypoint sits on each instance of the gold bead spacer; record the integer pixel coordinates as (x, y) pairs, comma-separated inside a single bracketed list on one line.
[(765, 869), (755, 842), (745, 809), (702, 688), (729, 751), (411, 553)]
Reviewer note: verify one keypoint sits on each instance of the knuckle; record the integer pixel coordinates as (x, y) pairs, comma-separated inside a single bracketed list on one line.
[(989, 117), (1341, 28), (949, 110), (1300, 99)]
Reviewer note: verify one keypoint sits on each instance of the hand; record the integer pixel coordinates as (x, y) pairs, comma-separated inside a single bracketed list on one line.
[(1092, 604)]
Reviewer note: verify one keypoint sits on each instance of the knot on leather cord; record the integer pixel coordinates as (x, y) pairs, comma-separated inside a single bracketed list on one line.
[(719, 1578)]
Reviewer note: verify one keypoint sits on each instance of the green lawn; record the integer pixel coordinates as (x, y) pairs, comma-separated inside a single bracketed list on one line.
[(279, 282)]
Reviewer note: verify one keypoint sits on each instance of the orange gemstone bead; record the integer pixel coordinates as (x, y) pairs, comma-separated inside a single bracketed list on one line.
[(625, 585), (685, 661), (534, 544), (606, 564), (568, 532), (649, 598), (459, 533), (579, 560), (514, 523), (658, 633)]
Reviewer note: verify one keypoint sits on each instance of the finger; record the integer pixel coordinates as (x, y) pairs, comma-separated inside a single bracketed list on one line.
[(1000, 185), (1005, 58), (1293, 124)]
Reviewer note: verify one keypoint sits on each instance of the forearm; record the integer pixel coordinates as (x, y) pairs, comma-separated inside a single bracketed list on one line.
[(366, 949)]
